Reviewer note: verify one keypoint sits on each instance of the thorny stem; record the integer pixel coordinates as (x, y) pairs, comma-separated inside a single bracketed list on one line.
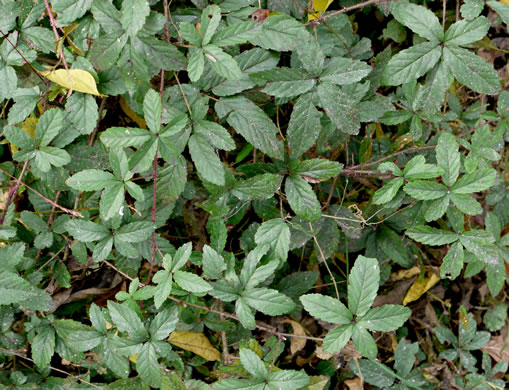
[(12, 192), (53, 23), (72, 212), (154, 210)]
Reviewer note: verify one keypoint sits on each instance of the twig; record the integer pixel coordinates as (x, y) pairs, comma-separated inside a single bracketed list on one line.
[(412, 149), (183, 94), (13, 190), (11, 352), (92, 136), (347, 9), (72, 212), (24, 59), (154, 210), (324, 260)]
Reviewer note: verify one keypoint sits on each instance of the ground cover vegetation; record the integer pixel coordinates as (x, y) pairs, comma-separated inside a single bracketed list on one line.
[(244, 194)]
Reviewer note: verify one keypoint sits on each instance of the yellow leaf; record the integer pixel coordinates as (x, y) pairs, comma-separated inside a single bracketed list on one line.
[(131, 114), (28, 125), (82, 81), (319, 6), (296, 343), (197, 343), (506, 2), (133, 358), (419, 287), (405, 273), (317, 382)]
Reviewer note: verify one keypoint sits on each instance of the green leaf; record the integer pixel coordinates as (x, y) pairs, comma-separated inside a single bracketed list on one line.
[(48, 126), (83, 112), (127, 320), (235, 34), (364, 342), (412, 63), (280, 32), (317, 168), (9, 80), (119, 137), (14, 289), (342, 71), (253, 124), (222, 63), (501, 9), (405, 357), (257, 187), (105, 50), (363, 285), (471, 70), (210, 18), (337, 338), (152, 109), (191, 282), (86, 231), (385, 318), (102, 249), (288, 380), (268, 301), (431, 95), (275, 232), (182, 256), (477, 181), (253, 364), (448, 158), (206, 160), (134, 232), (437, 208), (216, 134), (464, 32), (148, 366), (420, 20), (304, 126), (417, 168), (43, 346), (452, 263), (195, 64), (163, 55), (284, 82), (302, 199), (480, 243), (190, 33), (112, 200), (213, 263), (388, 191), (25, 102), (339, 108), (262, 273), (91, 180), (77, 335), (164, 282), (466, 204), (327, 309), (164, 323), (19, 137), (425, 190), (471, 9), (133, 15), (431, 236), (245, 314), (70, 10)]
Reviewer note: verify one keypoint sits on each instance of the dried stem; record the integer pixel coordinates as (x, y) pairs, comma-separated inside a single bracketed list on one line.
[(13, 190), (347, 9)]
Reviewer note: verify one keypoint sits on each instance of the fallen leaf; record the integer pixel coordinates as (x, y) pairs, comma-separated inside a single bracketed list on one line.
[(197, 343), (320, 354), (498, 348), (355, 384), (419, 287), (405, 273), (317, 382), (82, 81), (296, 343), (131, 114)]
